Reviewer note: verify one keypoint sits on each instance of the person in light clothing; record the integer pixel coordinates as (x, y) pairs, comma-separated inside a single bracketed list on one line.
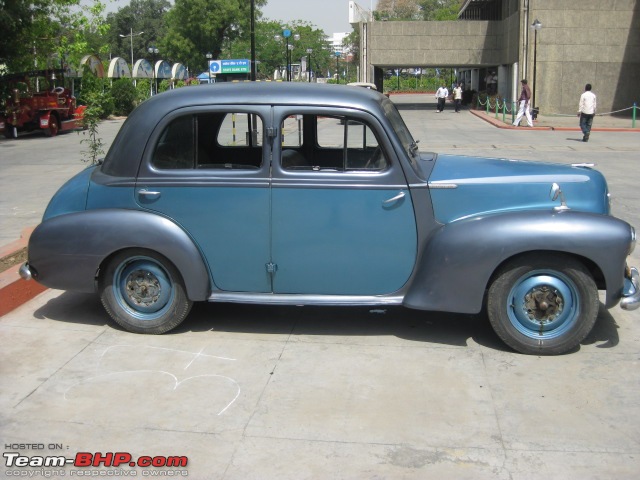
[(441, 95), (523, 101), (586, 111), (457, 97)]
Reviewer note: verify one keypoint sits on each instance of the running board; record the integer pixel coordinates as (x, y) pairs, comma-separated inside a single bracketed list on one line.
[(294, 299)]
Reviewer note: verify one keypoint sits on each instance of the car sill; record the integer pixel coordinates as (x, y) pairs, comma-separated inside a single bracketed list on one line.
[(296, 299)]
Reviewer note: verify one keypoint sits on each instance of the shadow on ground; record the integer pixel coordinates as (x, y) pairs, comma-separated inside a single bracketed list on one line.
[(412, 325)]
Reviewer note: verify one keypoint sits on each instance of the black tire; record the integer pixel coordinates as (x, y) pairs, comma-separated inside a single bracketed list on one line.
[(11, 132), (543, 304), (143, 292), (54, 126)]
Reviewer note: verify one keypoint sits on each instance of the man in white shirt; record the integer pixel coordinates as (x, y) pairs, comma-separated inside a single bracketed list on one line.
[(586, 111), (441, 95)]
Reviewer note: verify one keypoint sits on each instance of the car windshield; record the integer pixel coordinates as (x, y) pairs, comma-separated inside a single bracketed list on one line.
[(408, 143)]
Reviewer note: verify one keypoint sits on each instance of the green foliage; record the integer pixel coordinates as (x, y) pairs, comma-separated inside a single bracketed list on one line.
[(124, 96), (92, 141), (198, 27), (146, 16), (428, 81), (407, 10), (49, 33), (95, 93), (440, 9), (143, 89), (164, 85)]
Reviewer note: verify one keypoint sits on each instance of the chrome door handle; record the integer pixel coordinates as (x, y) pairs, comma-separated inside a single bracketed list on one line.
[(400, 196), (148, 193)]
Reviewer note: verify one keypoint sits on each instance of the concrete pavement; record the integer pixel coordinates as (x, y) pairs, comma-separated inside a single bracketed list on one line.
[(306, 393)]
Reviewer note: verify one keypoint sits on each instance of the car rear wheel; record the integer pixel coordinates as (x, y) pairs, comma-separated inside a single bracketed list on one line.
[(543, 304), (143, 292), (53, 128)]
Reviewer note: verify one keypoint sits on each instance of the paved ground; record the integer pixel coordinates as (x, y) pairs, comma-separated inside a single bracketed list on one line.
[(307, 393)]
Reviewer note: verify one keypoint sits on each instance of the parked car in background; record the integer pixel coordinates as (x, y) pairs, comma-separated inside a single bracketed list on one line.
[(304, 194)]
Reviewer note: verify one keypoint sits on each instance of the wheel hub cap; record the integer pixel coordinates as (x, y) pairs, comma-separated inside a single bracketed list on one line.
[(143, 288), (543, 304)]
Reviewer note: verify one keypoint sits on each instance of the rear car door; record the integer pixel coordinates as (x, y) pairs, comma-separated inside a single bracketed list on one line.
[(207, 169)]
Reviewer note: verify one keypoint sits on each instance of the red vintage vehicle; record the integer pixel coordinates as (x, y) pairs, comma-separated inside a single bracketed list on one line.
[(25, 106)]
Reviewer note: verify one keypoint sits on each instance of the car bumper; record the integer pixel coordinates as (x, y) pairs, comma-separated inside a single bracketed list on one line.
[(25, 271), (631, 293)]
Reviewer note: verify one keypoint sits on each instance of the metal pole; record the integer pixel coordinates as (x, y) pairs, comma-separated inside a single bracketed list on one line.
[(288, 62), (253, 41), (131, 37), (535, 59)]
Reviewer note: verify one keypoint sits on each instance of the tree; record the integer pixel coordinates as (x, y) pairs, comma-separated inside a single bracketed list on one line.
[(146, 16), (198, 27), (397, 10), (439, 9), (45, 33), (406, 10), (271, 53)]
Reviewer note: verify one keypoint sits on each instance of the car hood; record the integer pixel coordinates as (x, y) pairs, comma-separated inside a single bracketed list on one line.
[(463, 186)]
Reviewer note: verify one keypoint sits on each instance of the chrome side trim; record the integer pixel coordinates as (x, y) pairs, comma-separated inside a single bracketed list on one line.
[(296, 299), (444, 186), (631, 300)]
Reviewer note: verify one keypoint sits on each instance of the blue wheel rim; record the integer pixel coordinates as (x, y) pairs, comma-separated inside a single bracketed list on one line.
[(543, 304), (143, 288)]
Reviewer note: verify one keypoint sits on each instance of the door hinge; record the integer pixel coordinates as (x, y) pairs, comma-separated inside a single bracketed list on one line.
[(272, 132), (272, 267)]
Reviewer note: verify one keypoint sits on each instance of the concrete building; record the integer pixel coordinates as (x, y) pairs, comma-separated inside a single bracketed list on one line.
[(577, 42)]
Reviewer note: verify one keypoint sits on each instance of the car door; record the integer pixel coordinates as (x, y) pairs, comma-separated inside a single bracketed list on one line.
[(342, 216), (207, 169)]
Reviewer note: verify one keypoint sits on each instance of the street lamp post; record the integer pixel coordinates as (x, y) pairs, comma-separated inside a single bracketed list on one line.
[(209, 56), (153, 51), (337, 54), (536, 26), (131, 35), (309, 52)]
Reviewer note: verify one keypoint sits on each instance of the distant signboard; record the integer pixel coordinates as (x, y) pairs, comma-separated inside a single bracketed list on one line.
[(229, 66)]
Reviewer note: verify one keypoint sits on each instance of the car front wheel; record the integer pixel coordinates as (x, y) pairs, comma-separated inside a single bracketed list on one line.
[(543, 304), (143, 292)]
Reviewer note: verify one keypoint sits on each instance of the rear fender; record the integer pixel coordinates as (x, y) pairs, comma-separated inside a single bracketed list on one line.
[(43, 119), (459, 259), (67, 251)]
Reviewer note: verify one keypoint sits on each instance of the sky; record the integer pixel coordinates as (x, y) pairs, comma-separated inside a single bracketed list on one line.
[(332, 16)]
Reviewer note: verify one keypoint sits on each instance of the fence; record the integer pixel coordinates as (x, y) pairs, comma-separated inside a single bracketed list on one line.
[(498, 107)]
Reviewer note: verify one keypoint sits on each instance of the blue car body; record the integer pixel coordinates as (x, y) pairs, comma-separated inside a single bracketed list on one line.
[(322, 198)]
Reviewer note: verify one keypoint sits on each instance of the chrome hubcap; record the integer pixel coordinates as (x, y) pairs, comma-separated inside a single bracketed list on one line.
[(543, 304), (143, 288)]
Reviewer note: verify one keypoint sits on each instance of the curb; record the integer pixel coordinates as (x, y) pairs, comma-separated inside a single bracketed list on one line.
[(14, 291), (481, 114)]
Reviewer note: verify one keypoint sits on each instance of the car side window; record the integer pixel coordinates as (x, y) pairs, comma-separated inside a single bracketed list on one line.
[(216, 140), (340, 144)]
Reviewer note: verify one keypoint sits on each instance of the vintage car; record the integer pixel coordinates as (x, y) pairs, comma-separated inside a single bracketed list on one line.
[(303, 194)]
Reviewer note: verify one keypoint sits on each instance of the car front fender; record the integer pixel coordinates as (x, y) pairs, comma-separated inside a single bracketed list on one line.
[(66, 252), (459, 259)]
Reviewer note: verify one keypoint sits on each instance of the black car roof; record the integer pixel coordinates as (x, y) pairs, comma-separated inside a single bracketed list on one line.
[(125, 153)]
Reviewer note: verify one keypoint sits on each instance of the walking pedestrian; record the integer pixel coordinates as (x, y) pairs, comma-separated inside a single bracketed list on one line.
[(586, 111), (525, 96), (457, 97), (441, 96)]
